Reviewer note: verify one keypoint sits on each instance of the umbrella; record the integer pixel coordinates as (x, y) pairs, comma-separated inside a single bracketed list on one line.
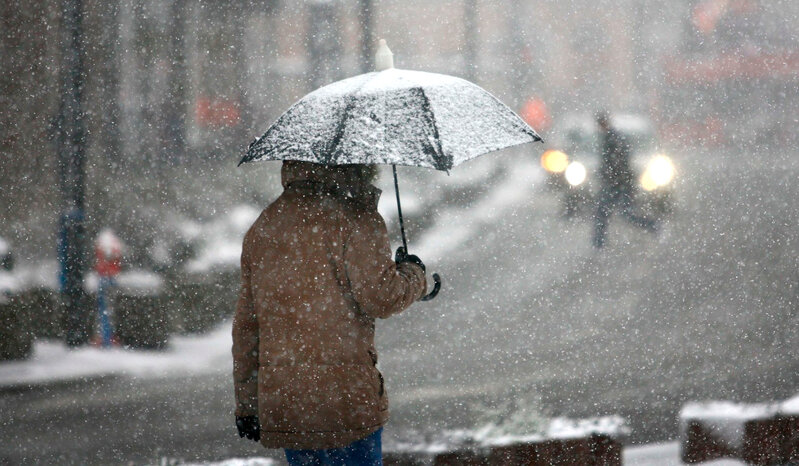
[(394, 117)]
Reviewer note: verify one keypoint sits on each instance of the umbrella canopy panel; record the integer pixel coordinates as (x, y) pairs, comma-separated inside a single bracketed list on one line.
[(396, 117)]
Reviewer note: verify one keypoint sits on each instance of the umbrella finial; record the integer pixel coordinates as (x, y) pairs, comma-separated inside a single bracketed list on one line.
[(384, 59)]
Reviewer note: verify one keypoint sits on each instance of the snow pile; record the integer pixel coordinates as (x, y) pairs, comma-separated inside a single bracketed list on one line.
[(9, 284), (790, 407), (557, 428), (728, 410), (54, 361), (140, 282), (492, 435), (133, 282), (38, 275), (563, 428)]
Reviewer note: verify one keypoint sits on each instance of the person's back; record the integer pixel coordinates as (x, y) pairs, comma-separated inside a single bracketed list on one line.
[(617, 181), (316, 272), (615, 168)]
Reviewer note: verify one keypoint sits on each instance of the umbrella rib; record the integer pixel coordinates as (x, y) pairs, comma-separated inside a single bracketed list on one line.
[(442, 161), (332, 150)]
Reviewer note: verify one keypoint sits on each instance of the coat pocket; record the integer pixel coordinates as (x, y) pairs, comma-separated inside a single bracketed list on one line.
[(382, 396)]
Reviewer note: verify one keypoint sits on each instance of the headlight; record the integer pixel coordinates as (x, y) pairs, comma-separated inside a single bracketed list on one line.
[(659, 172), (554, 161), (575, 173)]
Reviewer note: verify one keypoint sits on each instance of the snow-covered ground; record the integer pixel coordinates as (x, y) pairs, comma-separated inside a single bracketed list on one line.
[(53, 361)]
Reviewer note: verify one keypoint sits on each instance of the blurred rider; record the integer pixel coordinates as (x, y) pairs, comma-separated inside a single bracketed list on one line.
[(616, 179)]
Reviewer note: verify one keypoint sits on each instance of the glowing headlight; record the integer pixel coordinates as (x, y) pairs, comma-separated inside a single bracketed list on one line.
[(554, 161), (575, 173), (658, 173)]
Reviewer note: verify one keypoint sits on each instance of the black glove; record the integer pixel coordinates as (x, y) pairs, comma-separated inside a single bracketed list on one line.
[(403, 256), (249, 427)]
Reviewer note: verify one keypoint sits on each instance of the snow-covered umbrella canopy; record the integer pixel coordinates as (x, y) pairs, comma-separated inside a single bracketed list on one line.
[(396, 117)]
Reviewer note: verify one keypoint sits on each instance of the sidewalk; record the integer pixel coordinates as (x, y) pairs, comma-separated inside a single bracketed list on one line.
[(53, 362)]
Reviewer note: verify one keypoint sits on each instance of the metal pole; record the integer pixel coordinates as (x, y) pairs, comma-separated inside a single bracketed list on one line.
[(470, 39), (71, 153), (367, 35), (174, 106)]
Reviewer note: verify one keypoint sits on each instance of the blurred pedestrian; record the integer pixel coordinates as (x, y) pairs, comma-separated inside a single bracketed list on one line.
[(108, 265), (616, 178), (316, 272)]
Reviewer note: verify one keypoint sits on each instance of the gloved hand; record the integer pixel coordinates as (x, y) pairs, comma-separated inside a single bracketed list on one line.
[(402, 256), (249, 427)]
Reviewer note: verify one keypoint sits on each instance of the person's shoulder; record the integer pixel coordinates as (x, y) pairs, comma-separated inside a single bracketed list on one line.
[(257, 226), (358, 216)]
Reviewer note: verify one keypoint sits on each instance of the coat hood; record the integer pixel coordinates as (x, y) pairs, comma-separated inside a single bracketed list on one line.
[(339, 180)]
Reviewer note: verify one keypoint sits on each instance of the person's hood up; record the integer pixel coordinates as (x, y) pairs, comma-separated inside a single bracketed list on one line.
[(341, 180)]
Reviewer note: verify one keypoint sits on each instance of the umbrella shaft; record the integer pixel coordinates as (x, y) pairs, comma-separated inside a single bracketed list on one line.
[(399, 209)]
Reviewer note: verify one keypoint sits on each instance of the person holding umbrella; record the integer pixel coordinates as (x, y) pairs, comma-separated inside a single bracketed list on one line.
[(316, 265), (316, 272)]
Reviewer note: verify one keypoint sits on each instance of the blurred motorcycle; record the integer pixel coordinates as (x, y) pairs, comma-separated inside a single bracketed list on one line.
[(573, 159)]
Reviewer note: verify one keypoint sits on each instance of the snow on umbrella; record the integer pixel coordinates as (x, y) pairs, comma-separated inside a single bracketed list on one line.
[(394, 117)]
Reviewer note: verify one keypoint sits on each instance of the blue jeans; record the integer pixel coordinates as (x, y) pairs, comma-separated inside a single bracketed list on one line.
[(364, 452)]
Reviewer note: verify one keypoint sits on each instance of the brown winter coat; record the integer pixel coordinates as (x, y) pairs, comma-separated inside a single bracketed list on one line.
[(316, 271)]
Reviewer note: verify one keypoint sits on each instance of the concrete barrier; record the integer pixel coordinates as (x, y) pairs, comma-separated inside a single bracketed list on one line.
[(197, 303), (790, 440), (403, 459), (593, 450), (596, 450), (462, 458), (762, 443), (700, 444), (606, 450), (16, 339), (139, 312), (758, 434)]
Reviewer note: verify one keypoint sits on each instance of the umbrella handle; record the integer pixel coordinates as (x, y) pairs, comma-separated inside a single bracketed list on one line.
[(436, 288)]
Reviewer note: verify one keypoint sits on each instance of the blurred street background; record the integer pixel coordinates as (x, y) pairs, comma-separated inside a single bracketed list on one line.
[(173, 92)]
